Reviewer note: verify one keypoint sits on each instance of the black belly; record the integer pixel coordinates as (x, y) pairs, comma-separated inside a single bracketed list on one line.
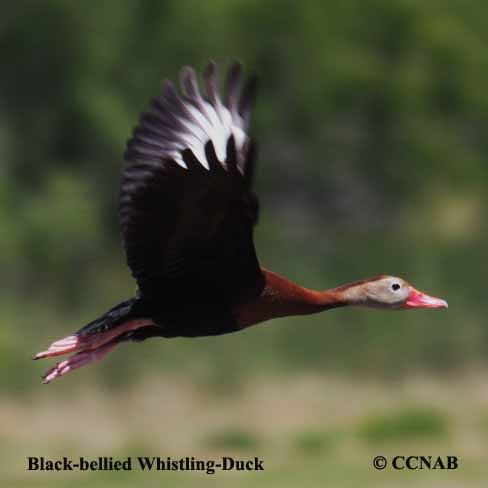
[(195, 320)]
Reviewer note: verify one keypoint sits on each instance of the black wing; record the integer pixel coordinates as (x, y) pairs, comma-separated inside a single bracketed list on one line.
[(186, 208)]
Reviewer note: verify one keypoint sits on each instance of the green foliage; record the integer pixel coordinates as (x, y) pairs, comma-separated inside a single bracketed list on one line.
[(373, 159), (232, 438), (416, 423), (315, 442)]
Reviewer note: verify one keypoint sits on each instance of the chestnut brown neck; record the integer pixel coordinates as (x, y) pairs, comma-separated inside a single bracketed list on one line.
[(283, 298)]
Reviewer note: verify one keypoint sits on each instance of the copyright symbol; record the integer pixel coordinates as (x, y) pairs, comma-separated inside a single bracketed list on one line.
[(380, 462)]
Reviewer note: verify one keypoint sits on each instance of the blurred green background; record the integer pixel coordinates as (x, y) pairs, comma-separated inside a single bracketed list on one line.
[(371, 119)]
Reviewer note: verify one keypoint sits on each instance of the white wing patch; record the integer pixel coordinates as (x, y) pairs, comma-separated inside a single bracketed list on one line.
[(208, 125), (177, 122)]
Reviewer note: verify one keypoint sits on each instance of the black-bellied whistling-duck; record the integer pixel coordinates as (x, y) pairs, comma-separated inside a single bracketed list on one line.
[(187, 214)]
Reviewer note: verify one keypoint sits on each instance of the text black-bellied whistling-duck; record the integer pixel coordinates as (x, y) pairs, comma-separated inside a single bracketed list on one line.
[(187, 213)]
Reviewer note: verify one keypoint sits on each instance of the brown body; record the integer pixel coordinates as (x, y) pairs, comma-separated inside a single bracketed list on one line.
[(281, 298)]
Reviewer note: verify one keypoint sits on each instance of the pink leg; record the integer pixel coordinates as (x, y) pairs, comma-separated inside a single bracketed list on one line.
[(78, 360), (63, 346), (75, 342)]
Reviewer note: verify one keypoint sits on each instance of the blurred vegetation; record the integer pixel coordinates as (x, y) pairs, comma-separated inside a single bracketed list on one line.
[(315, 442), (233, 438), (404, 424), (371, 121)]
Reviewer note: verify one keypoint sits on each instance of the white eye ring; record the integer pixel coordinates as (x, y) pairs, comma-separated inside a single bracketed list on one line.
[(395, 286)]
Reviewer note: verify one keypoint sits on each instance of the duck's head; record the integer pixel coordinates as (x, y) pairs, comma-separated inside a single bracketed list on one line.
[(389, 292)]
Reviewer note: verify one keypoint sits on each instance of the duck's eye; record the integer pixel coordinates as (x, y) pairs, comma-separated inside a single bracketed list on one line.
[(395, 286)]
